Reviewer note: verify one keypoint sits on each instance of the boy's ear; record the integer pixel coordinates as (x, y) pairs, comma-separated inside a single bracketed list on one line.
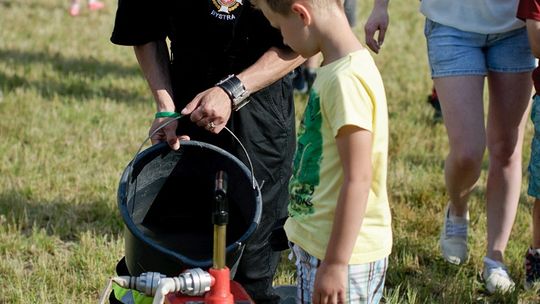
[(301, 11)]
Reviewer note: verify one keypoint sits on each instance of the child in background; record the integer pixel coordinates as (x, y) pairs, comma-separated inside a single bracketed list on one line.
[(93, 5), (529, 10), (340, 223)]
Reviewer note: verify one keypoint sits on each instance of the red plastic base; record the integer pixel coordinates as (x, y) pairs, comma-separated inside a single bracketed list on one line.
[(239, 294), (220, 292), (224, 291)]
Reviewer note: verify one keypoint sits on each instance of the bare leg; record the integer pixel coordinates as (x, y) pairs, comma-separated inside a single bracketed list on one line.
[(463, 113), (508, 103)]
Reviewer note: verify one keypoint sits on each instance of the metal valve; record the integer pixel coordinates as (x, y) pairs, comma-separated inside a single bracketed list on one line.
[(194, 282), (147, 282)]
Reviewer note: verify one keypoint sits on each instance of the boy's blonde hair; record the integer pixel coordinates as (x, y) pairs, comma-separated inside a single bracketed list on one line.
[(284, 6)]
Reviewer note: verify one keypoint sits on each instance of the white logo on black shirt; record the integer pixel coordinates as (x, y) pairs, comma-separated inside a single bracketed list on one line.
[(225, 9)]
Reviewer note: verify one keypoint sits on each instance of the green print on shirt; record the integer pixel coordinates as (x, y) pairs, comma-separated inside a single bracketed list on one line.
[(307, 159)]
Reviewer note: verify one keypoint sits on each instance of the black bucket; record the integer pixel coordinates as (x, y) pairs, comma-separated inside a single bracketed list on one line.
[(166, 198)]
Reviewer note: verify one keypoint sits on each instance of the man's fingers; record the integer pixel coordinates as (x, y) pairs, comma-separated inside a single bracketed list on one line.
[(200, 113), (156, 137), (341, 297), (174, 143), (217, 128), (154, 140), (190, 107), (172, 139)]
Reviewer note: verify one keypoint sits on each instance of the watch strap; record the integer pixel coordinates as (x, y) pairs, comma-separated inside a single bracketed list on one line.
[(234, 87)]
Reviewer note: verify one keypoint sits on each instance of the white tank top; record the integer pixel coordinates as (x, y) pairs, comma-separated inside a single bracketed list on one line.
[(478, 16)]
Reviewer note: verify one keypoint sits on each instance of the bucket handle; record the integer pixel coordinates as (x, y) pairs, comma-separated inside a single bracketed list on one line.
[(166, 123)]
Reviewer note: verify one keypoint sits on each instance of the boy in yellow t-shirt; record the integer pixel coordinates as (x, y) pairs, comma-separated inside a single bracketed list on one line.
[(340, 223)]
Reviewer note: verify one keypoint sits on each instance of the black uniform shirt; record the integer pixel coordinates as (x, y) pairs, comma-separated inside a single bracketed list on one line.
[(209, 38)]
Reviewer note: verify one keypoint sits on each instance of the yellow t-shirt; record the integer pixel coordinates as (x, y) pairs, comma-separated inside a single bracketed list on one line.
[(348, 91)]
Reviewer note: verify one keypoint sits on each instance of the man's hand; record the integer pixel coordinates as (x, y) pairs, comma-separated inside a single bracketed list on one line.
[(377, 22), (210, 109), (330, 283), (167, 133)]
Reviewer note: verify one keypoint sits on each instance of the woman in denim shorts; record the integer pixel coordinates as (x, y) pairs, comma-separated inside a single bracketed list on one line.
[(467, 41)]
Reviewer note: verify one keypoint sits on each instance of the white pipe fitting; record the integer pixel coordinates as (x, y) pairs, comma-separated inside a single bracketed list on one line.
[(192, 282)]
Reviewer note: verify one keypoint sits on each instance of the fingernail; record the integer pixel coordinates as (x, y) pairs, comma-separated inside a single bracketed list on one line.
[(184, 111)]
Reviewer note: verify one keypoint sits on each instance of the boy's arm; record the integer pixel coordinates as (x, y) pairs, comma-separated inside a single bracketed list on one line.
[(354, 146), (533, 31)]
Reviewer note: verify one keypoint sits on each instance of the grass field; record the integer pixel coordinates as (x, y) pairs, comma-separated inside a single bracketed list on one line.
[(74, 109)]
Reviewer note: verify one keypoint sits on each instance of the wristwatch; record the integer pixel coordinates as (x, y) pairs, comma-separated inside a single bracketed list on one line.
[(236, 91)]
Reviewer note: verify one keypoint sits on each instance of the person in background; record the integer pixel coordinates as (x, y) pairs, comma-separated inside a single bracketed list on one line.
[(529, 11), (93, 5), (376, 26), (340, 223), (375, 31), (489, 42), (468, 42), (227, 67)]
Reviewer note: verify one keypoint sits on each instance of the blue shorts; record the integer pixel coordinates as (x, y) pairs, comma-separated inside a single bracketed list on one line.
[(534, 162), (365, 281), (454, 52)]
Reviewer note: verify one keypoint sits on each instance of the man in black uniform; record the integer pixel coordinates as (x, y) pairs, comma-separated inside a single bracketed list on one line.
[(230, 42)]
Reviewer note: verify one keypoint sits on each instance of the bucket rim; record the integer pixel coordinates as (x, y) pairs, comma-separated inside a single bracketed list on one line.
[(131, 226)]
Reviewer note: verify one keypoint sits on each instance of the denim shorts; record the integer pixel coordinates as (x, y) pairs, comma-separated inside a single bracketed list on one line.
[(365, 281), (534, 162), (453, 52)]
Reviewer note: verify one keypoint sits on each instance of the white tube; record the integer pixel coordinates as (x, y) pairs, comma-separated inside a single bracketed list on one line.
[(105, 293), (192, 282), (123, 281), (164, 287)]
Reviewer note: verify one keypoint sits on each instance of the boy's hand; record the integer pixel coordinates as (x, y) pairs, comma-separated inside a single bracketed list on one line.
[(330, 283)]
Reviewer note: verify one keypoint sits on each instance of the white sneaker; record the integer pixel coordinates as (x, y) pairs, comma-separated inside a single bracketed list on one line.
[(496, 277), (454, 237)]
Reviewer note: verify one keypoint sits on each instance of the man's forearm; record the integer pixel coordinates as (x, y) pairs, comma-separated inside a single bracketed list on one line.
[(153, 59), (272, 66)]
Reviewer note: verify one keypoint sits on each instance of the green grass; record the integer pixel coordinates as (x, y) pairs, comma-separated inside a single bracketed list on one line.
[(74, 109)]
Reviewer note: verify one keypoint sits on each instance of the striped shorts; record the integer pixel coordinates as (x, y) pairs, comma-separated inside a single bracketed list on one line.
[(365, 281)]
